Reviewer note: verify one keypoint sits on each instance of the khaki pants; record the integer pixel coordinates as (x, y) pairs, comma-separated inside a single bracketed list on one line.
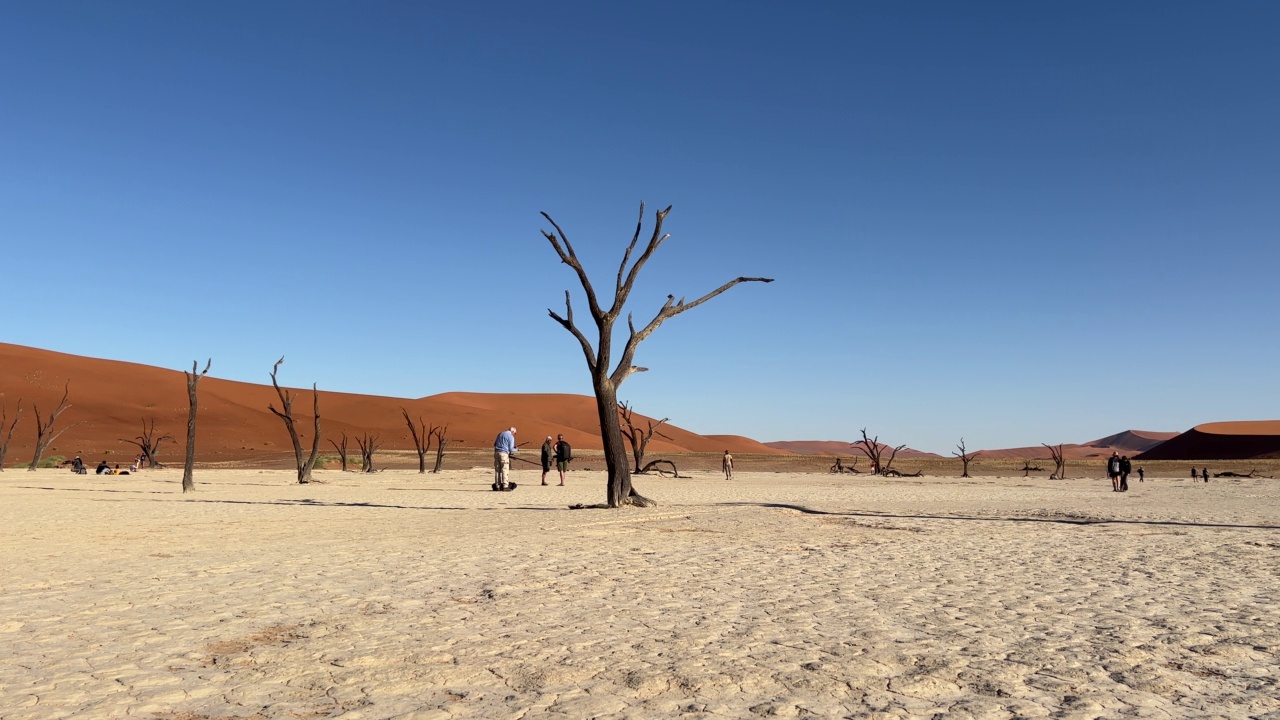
[(501, 467)]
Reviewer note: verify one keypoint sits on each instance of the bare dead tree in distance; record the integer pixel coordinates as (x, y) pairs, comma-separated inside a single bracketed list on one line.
[(872, 448), (421, 439), (44, 428), (1059, 462), (148, 443), (965, 456), (605, 381), (189, 462), (342, 450), (368, 443), (441, 434), (286, 416), (8, 434), (639, 438)]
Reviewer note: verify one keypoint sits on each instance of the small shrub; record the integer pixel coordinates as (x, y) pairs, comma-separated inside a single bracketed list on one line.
[(323, 460)]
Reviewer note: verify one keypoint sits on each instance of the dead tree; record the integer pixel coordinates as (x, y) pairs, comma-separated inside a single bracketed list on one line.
[(368, 446), (189, 462), (44, 428), (421, 439), (840, 468), (605, 381), (342, 450), (654, 466), (441, 434), (638, 438), (965, 456), (872, 448), (148, 443), (1027, 468), (1059, 462), (286, 416), (8, 434)]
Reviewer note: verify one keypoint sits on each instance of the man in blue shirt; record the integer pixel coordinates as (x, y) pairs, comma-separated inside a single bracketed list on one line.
[(504, 446)]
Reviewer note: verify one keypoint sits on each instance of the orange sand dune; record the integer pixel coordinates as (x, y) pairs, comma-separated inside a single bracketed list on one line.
[(837, 448), (1132, 441), (109, 400), (1240, 440)]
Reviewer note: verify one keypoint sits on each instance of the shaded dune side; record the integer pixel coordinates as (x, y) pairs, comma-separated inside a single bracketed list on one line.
[(1244, 440), (109, 400)]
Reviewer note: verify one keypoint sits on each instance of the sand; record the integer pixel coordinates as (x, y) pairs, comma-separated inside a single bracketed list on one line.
[(408, 596)]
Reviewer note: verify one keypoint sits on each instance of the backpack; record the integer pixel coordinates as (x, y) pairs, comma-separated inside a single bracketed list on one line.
[(564, 452)]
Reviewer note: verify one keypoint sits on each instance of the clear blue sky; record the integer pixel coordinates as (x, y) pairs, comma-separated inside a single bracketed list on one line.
[(1012, 222)]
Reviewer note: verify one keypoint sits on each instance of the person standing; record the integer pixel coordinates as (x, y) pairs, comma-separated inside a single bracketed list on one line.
[(504, 446), (547, 454), (564, 453), (1141, 474), (1113, 471), (1205, 475), (1126, 467), (726, 464), (1194, 476)]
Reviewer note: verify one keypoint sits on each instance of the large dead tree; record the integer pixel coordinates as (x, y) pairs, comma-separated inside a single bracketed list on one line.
[(604, 379), (342, 450), (421, 439), (189, 461), (148, 443), (286, 416), (8, 434), (965, 456), (44, 428), (368, 446), (1059, 462), (874, 450), (637, 436), (441, 434)]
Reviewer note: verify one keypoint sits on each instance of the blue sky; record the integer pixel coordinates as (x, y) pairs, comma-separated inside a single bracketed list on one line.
[(1012, 222)]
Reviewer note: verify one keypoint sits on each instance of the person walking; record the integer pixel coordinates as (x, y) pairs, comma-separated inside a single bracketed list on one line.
[(1113, 471), (1141, 474), (726, 464), (1126, 467), (547, 454), (564, 453), (504, 446), (1194, 476)]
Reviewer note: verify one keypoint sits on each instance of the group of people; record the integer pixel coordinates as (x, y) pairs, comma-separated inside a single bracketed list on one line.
[(1204, 474), (1118, 469), (504, 446), (78, 467)]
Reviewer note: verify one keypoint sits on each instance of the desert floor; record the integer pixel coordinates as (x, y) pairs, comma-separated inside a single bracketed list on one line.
[(400, 595)]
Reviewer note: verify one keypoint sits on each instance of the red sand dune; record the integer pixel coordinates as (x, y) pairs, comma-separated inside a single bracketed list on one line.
[(109, 400), (1241, 440), (1128, 442), (1132, 441), (837, 448)]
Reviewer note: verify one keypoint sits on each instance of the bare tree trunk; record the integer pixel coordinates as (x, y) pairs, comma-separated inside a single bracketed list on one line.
[(619, 490), (368, 446), (189, 462), (889, 465), (148, 443), (965, 456), (44, 429), (342, 450), (441, 434), (639, 439), (1059, 462), (8, 434), (286, 416), (421, 440), (872, 448)]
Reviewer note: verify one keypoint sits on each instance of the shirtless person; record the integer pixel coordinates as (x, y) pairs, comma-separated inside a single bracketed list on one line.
[(726, 464)]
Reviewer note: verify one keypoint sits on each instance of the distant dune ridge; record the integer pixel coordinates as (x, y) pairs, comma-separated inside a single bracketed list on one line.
[(109, 400), (1240, 440), (838, 448)]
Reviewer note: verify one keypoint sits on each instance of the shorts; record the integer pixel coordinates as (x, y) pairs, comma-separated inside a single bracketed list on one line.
[(562, 465)]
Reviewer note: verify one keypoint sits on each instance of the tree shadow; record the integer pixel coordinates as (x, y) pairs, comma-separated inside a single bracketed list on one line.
[(299, 502), (1067, 520)]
